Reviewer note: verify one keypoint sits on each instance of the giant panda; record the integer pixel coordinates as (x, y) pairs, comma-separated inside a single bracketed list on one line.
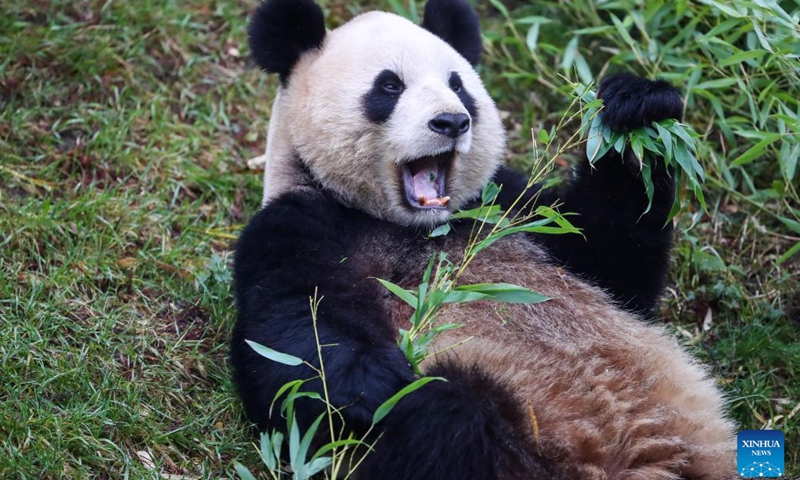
[(379, 112)]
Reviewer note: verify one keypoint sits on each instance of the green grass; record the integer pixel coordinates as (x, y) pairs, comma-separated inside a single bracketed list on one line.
[(124, 131)]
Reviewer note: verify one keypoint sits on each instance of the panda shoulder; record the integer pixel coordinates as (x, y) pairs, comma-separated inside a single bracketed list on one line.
[(288, 223)]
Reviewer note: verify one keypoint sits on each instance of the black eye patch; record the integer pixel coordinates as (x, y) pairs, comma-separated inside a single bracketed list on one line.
[(381, 99), (457, 86)]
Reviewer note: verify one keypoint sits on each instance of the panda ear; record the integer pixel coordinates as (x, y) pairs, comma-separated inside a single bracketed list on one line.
[(455, 22), (281, 30)]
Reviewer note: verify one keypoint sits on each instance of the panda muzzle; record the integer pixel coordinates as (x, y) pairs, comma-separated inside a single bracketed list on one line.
[(425, 181)]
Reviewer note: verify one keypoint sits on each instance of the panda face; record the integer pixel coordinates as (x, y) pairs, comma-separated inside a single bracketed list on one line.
[(393, 120)]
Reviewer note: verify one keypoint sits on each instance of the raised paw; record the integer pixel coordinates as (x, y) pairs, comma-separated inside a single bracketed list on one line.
[(631, 102)]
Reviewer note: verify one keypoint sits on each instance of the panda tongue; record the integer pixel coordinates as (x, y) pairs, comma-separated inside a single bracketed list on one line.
[(423, 180)]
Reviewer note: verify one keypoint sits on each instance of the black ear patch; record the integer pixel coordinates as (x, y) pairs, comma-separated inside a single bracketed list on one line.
[(455, 22), (281, 30)]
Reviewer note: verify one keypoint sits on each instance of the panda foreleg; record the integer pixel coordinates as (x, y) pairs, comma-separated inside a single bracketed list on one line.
[(622, 249), (290, 250)]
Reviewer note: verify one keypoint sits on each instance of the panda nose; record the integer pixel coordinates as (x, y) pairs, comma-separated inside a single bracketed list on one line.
[(451, 124)]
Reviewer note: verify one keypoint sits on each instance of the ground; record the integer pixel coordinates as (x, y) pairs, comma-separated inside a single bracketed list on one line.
[(125, 128)]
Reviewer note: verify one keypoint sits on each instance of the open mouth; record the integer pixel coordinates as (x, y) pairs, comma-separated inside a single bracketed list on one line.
[(425, 181)]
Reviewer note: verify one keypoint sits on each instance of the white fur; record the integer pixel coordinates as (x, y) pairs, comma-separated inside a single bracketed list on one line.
[(319, 118)]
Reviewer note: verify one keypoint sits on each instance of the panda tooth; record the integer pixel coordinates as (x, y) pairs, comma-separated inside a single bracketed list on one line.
[(444, 201)]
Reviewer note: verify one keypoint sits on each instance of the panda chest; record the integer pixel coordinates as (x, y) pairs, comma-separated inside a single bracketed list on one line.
[(512, 260)]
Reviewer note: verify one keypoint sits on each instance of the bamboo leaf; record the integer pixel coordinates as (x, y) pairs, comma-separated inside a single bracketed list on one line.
[(387, 406), (489, 193), (570, 52), (274, 355), (440, 231), (504, 292), (339, 443), (267, 456), (718, 83), (404, 295), (305, 444), (243, 472), (743, 57), (594, 142), (317, 465), (756, 150), (456, 296)]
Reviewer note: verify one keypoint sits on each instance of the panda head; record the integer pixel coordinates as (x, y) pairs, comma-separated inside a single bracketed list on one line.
[(389, 116)]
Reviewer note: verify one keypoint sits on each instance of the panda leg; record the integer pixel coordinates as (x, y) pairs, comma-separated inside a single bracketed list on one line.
[(623, 251), (465, 427)]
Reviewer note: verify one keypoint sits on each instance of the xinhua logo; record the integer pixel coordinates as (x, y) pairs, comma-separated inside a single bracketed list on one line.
[(760, 453)]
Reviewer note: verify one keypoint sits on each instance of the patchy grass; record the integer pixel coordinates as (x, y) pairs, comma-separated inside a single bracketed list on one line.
[(124, 131)]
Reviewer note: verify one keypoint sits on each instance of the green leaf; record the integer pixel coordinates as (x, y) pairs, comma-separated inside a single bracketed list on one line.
[(277, 442), (339, 443), (404, 295), (498, 5), (489, 193), (756, 150), (649, 188), (273, 355), (532, 38), (666, 139), (622, 30), (636, 145), (289, 400), (440, 231), (544, 137), (718, 83), (294, 445), (267, 454), (789, 253), (317, 465), (584, 72), (788, 158), (791, 224), (243, 472), (708, 262), (743, 57), (305, 444), (294, 385), (504, 292), (486, 213), (569, 53), (683, 157), (456, 296), (387, 406), (594, 141)]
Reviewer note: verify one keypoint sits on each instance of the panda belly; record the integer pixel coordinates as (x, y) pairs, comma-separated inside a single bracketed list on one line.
[(602, 392)]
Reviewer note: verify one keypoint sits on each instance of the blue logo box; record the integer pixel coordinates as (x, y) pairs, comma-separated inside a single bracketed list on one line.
[(760, 453)]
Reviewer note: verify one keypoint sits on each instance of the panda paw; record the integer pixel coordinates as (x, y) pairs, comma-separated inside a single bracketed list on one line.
[(630, 102)]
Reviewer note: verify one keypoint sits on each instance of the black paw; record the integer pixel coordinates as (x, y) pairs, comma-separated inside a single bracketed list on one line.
[(630, 102)]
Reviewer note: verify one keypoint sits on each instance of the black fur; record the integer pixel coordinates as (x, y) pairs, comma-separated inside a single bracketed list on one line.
[(288, 249), (465, 428), (462, 428), (281, 30), (469, 103), (636, 102), (305, 241), (455, 22), (624, 252), (379, 102)]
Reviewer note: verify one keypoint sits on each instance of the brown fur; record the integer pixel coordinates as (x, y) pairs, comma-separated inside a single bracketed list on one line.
[(611, 396)]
